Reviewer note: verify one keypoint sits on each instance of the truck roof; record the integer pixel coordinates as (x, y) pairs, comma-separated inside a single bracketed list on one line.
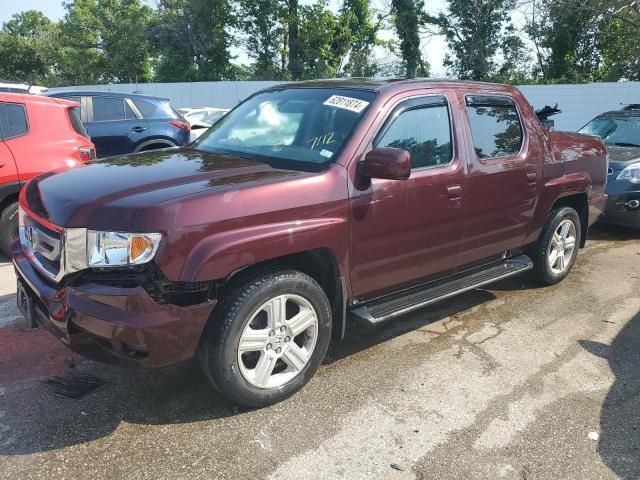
[(384, 84)]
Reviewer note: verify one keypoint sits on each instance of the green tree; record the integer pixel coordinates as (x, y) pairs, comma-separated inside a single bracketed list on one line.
[(192, 40), (294, 65), (355, 37), (565, 42), (317, 55), (28, 44), (474, 30), (262, 23), (105, 41), (408, 17)]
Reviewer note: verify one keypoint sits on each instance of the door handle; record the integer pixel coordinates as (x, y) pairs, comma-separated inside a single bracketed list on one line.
[(138, 129), (1, 164), (531, 178), (454, 192)]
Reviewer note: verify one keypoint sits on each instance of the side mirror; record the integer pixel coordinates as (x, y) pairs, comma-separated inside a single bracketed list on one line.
[(387, 163)]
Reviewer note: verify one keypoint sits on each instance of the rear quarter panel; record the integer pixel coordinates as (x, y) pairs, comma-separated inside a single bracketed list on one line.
[(578, 165), (50, 144)]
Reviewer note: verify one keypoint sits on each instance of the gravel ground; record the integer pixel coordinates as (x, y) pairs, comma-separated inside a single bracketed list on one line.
[(513, 382)]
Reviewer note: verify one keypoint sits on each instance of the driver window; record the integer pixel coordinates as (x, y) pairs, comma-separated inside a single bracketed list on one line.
[(424, 131)]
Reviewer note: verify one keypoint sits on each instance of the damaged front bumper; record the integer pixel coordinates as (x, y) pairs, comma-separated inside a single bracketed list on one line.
[(113, 324)]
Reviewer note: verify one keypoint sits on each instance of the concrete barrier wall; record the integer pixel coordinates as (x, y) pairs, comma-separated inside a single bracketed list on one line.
[(579, 103)]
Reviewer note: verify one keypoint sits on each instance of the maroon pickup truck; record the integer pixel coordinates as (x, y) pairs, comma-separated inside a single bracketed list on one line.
[(306, 207)]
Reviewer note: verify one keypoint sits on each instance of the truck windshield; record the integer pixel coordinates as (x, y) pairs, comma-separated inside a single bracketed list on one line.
[(295, 128), (622, 131)]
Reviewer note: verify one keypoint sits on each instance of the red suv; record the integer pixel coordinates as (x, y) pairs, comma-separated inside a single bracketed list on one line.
[(37, 134)]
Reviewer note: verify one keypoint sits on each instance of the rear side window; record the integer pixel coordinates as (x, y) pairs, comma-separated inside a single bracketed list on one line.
[(13, 120), (145, 108), (107, 109), (495, 126), (74, 118), (422, 130)]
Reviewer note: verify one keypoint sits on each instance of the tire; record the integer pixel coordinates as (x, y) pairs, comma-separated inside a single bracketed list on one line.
[(8, 227), (553, 239), (269, 341)]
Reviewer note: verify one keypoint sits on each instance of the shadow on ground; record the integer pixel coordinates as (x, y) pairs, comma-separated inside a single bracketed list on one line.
[(619, 445), (33, 419)]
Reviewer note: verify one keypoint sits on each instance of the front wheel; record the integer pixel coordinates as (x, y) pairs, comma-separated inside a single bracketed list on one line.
[(267, 339), (555, 252)]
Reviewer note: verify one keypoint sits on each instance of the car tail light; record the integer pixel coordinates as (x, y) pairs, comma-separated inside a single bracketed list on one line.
[(87, 154), (180, 124)]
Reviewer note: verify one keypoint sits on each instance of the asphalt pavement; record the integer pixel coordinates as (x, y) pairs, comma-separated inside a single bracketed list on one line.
[(511, 382)]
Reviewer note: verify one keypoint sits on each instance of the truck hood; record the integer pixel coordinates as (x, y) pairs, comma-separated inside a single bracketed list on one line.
[(620, 157), (110, 194)]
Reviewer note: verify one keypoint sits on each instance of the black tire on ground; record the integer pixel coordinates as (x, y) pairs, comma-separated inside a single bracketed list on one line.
[(218, 349), (8, 227), (542, 249)]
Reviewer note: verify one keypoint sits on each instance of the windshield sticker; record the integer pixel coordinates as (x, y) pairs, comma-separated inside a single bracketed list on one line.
[(326, 153), (346, 103), (320, 140)]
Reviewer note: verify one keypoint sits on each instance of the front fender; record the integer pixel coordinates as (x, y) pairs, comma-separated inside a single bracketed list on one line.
[(219, 255)]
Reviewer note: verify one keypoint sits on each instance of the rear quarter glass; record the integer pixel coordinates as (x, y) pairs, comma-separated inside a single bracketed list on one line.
[(76, 124)]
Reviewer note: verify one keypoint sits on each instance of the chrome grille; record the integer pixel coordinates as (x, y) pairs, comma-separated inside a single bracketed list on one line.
[(43, 246)]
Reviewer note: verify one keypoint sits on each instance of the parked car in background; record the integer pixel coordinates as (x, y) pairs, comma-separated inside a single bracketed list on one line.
[(620, 131), (22, 88), (120, 123), (201, 119), (37, 134), (355, 199)]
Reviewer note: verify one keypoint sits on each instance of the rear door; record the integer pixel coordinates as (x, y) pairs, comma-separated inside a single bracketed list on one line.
[(406, 231), (503, 179), (114, 125), (13, 127)]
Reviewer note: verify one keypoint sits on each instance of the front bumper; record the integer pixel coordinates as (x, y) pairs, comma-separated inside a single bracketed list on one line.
[(618, 210), (123, 326)]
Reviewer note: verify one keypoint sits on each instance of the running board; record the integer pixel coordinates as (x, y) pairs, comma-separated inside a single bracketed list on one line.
[(396, 304)]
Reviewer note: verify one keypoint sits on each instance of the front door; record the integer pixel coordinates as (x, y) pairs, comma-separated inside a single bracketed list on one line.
[(407, 231), (113, 125)]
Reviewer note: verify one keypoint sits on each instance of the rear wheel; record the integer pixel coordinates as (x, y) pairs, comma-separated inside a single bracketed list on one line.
[(267, 339), (556, 251), (8, 227)]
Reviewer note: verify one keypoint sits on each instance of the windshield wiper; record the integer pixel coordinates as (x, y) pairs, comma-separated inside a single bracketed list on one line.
[(625, 144)]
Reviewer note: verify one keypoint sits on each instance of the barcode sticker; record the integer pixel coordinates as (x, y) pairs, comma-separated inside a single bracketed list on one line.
[(347, 103)]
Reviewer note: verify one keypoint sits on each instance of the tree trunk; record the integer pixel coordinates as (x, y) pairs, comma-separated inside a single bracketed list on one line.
[(295, 69)]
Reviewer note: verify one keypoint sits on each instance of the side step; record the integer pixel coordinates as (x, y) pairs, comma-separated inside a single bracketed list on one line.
[(396, 304)]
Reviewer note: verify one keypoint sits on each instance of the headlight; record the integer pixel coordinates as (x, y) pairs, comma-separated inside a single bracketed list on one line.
[(111, 249), (630, 173)]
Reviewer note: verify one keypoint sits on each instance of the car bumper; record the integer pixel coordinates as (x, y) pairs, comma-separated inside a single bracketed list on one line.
[(122, 326), (621, 208)]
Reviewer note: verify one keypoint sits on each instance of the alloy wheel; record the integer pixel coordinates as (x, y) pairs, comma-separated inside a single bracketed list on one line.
[(278, 341), (563, 244)]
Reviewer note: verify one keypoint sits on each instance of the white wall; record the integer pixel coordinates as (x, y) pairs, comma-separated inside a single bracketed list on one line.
[(579, 103), (187, 94)]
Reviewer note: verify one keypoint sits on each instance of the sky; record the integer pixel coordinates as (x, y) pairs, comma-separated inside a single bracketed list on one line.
[(434, 48)]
